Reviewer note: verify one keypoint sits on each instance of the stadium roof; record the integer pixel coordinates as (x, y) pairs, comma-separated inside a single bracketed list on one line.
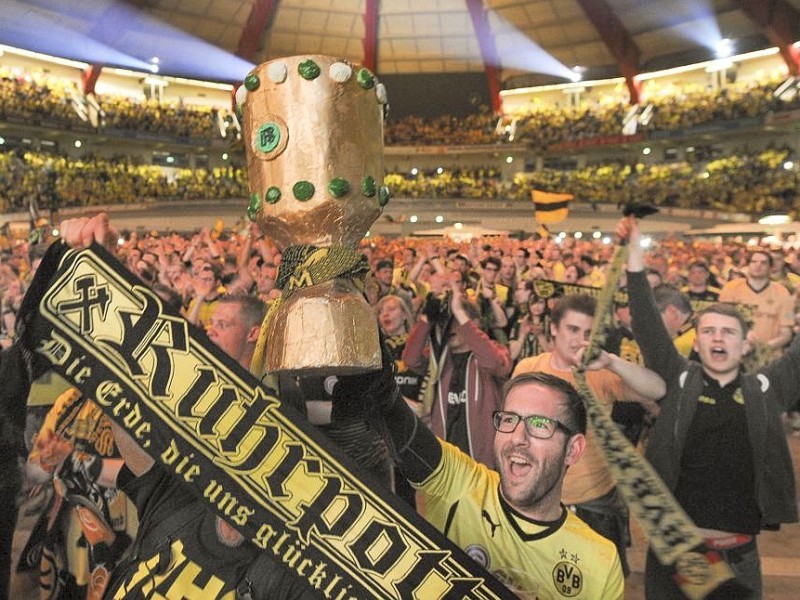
[(514, 42)]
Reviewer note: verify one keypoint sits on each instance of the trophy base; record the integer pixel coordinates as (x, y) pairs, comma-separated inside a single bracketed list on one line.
[(325, 329)]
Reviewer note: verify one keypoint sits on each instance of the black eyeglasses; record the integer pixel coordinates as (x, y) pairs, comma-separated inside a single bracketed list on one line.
[(536, 426)]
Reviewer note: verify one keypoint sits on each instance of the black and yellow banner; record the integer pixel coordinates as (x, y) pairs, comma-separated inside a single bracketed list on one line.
[(550, 288), (258, 464), (551, 208)]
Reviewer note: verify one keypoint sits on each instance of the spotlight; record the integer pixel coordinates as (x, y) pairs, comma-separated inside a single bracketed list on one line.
[(724, 48)]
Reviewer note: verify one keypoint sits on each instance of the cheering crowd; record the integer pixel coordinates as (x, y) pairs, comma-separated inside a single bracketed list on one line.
[(473, 421), (461, 320)]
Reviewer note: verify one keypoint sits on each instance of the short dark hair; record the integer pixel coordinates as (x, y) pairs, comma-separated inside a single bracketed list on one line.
[(579, 303), (763, 251), (656, 272), (589, 260), (493, 260), (574, 408), (524, 251), (384, 264), (698, 262), (251, 309), (668, 295), (727, 310)]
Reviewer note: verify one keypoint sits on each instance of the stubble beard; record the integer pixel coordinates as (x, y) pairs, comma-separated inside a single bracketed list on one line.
[(542, 480)]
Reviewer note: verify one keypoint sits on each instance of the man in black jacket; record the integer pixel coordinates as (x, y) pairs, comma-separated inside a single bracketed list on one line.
[(718, 442)]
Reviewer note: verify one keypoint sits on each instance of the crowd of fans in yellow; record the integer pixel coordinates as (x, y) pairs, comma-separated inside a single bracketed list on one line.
[(751, 181)]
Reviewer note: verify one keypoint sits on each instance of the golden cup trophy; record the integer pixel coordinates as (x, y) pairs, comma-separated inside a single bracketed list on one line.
[(313, 135)]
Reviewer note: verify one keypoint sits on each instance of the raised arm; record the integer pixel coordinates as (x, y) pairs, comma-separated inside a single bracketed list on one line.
[(651, 335), (644, 382)]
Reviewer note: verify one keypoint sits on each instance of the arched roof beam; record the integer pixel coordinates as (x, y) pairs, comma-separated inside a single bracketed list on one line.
[(261, 15), (491, 60), (89, 77), (618, 41), (370, 40), (780, 21)]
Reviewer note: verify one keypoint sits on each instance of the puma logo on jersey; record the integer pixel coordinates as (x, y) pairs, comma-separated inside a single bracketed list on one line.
[(487, 517)]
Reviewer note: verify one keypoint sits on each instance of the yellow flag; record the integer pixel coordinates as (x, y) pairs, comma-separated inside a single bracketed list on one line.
[(550, 208)]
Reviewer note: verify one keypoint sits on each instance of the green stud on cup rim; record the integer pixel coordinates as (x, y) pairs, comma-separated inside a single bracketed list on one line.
[(338, 187), (251, 82), (365, 79), (308, 69), (303, 190)]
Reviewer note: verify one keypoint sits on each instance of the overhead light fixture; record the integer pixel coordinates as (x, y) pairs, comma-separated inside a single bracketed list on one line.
[(724, 48)]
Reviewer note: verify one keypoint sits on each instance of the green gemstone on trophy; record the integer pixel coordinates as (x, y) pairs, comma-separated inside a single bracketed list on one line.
[(338, 187), (368, 187), (273, 194), (365, 79), (268, 137), (383, 195), (253, 206), (251, 82), (308, 69), (303, 190)]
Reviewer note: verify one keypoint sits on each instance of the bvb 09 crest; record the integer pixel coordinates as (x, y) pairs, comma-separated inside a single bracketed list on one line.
[(567, 578)]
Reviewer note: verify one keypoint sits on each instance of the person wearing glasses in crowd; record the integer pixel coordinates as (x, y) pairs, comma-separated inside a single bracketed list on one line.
[(492, 299), (589, 488), (511, 520)]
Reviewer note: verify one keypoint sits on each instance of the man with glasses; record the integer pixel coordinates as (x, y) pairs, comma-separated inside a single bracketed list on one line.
[(492, 299), (589, 488), (512, 520)]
